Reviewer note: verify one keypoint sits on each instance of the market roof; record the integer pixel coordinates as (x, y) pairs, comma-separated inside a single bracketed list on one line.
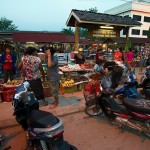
[(123, 40), (94, 20), (57, 37)]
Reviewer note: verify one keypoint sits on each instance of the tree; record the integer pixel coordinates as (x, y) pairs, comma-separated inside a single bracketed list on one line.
[(83, 32), (128, 45), (6, 24), (93, 10), (68, 30), (148, 34)]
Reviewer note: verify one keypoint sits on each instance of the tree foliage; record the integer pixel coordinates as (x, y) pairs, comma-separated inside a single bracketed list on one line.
[(83, 32), (67, 30), (148, 34), (128, 45), (6, 25), (93, 10)]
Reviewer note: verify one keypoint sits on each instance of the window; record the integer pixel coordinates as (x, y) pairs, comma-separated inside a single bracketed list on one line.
[(135, 32), (124, 31), (137, 17), (145, 32), (146, 19)]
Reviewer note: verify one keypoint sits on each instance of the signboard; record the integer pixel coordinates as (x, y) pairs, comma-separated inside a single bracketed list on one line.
[(104, 33)]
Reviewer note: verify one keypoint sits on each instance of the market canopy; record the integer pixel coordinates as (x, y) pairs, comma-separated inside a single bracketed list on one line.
[(94, 20)]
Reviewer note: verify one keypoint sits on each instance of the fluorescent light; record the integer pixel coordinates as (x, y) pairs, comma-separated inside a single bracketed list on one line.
[(106, 27)]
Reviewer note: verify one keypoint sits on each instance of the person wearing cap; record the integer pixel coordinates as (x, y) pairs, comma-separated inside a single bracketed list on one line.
[(31, 68), (53, 76), (8, 61), (79, 58)]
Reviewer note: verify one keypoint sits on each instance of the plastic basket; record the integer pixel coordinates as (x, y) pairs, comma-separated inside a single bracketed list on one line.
[(90, 99), (70, 89), (8, 95)]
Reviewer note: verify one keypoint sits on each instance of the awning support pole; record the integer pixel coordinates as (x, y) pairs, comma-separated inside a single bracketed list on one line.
[(76, 35)]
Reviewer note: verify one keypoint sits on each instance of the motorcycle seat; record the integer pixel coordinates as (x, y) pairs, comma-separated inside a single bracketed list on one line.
[(41, 119), (137, 105)]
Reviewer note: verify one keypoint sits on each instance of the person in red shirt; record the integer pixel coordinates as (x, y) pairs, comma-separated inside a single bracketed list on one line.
[(8, 61), (98, 55)]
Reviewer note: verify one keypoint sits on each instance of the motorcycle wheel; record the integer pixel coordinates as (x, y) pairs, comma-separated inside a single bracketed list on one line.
[(148, 126), (93, 110)]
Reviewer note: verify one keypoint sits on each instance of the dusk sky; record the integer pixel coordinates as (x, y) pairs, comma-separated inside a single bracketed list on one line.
[(48, 15)]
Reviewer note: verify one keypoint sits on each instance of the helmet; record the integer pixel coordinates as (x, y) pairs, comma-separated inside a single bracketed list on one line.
[(106, 85)]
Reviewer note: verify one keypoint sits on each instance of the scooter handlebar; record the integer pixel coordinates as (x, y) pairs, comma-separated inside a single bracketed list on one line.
[(21, 89)]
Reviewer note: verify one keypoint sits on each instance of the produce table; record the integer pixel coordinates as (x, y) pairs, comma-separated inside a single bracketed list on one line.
[(75, 77)]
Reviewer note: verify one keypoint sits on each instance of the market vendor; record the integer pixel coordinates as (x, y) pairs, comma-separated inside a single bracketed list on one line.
[(79, 58)]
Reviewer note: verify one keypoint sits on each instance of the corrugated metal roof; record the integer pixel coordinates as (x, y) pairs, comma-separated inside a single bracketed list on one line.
[(43, 37)]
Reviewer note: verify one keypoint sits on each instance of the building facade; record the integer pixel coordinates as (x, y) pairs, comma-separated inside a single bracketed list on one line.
[(139, 10)]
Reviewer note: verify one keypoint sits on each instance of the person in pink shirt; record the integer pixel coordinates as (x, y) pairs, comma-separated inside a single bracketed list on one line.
[(129, 58)]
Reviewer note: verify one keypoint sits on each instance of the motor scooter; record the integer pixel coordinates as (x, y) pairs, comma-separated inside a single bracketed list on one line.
[(44, 130), (145, 84), (129, 88), (133, 113)]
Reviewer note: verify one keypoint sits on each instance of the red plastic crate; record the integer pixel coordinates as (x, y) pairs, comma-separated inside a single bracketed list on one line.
[(8, 95)]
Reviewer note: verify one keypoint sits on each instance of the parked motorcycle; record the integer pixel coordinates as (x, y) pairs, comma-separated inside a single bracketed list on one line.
[(133, 113), (44, 130), (145, 84), (129, 89)]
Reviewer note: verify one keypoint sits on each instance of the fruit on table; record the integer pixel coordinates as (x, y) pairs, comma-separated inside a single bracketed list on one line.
[(13, 82), (68, 82), (80, 78)]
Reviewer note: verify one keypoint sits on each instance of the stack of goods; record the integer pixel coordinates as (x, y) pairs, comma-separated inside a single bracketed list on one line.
[(79, 79), (95, 77), (8, 90), (13, 83), (86, 66), (67, 82), (91, 90), (75, 67)]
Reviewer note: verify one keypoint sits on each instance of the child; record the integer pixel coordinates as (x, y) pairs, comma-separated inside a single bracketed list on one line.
[(98, 68)]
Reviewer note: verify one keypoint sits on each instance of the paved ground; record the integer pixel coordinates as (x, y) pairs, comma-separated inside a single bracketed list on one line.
[(88, 133), (69, 103)]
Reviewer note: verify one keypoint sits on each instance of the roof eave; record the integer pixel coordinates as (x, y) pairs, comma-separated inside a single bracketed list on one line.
[(74, 15)]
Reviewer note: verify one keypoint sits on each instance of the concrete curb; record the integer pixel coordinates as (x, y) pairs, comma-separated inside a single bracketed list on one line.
[(59, 112)]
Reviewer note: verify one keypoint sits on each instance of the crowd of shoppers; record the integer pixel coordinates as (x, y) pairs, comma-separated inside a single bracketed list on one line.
[(31, 68)]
